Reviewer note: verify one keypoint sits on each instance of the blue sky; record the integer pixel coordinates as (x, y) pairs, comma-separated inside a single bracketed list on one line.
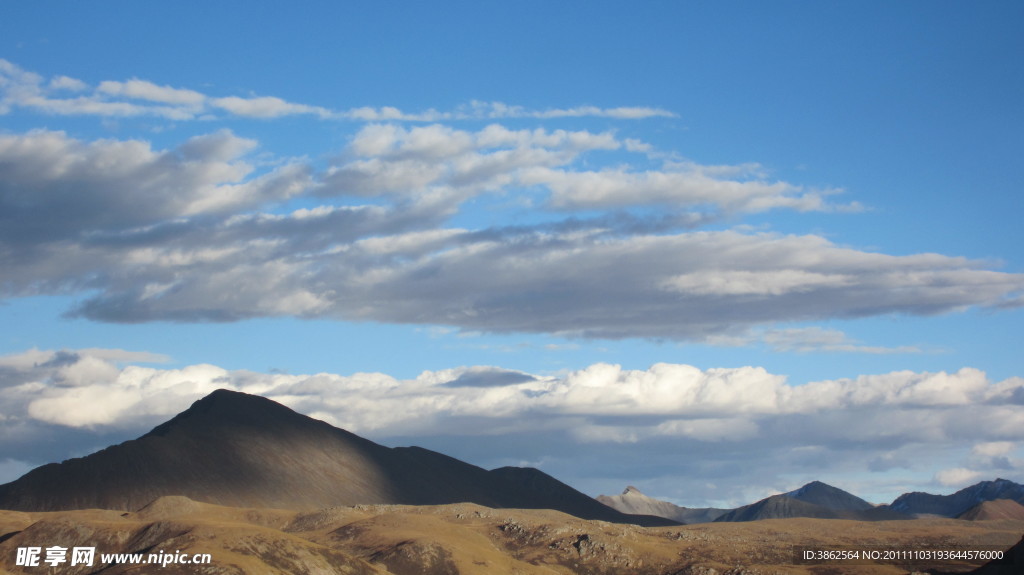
[(565, 235)]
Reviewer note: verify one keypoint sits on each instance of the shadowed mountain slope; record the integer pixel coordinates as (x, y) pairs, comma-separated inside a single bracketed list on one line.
[(243, 450), (959, 502), (634, 502)]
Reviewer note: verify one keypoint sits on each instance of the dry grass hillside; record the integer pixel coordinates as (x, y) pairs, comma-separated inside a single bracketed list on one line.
[(464, 539), (998, 509)]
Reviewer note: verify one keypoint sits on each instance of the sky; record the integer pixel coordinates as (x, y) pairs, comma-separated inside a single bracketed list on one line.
[(714, 250)]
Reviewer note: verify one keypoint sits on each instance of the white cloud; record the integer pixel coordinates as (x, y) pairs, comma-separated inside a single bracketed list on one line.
[(677, 399), (958, 477), (498, 110), (143, 90), (715, 429), (744, 282), (614, 188), (66, 83), (265, 107), (993, 448), (996, 457)]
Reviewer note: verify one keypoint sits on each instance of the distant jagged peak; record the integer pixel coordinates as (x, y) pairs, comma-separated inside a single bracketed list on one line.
[(630, 490)]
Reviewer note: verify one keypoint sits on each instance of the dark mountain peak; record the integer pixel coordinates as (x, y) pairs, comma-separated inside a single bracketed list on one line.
[(227, 402), (224, 408), (809, 487), (830, 497)]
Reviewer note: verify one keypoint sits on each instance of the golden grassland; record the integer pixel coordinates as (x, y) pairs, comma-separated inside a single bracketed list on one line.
[(467, 539)]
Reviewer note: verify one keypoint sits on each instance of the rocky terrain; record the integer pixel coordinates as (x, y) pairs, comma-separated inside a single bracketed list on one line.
[(467, 539)]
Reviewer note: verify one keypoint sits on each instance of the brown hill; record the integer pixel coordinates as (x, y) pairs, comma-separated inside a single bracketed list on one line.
[(998, 509), (243, 450)]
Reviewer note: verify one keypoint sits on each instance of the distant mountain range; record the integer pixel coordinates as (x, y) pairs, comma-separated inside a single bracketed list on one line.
[(953, 505), (243, 450), (999, 499)]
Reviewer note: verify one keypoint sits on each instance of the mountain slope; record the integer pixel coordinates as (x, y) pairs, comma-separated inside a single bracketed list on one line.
[(959, 502), (243, 450)]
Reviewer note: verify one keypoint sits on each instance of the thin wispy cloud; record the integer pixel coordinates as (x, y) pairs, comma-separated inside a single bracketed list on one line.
[(66, 96)]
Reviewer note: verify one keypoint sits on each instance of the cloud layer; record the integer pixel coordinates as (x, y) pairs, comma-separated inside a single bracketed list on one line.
[(600, 236), (204, 232), (602, 422)]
